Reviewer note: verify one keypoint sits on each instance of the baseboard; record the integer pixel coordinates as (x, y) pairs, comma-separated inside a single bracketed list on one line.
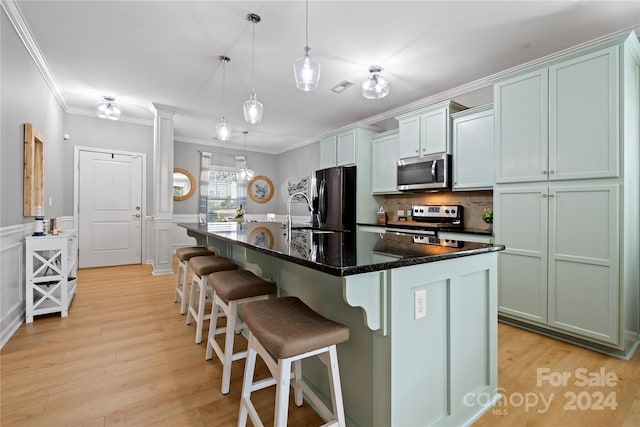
[(609, 351)]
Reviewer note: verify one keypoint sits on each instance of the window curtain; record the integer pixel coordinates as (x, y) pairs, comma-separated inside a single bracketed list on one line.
[(205, 165), (241, 163)]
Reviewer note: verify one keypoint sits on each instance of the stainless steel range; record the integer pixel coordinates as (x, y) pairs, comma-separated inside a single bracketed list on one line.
[(438, 216)]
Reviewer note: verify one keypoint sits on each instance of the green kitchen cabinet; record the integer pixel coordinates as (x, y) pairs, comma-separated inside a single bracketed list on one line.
[(560, 122), (561, 270), (342, 148), (473, 158), (427, 131), (566, 198), (384, 160)]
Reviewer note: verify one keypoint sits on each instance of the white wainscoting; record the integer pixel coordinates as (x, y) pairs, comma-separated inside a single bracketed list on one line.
[(179, 236), (12, 286)]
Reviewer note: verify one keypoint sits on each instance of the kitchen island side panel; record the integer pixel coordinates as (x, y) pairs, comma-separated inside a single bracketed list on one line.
[(443, 367)]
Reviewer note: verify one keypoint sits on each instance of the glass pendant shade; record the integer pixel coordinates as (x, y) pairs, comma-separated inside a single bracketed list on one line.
[(223, 130), (252, 110), (108, 109), (376, 86), (247, 174), (307, 72)]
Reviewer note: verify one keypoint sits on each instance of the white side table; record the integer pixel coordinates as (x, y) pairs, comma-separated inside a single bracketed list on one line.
[(51, 266)]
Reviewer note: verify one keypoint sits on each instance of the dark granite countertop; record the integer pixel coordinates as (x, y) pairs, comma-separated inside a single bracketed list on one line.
[(338, 253)]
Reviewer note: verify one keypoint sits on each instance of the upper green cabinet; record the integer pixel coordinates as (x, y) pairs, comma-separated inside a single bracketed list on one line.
[(559, 122), (473, 159), (384, 160), (426, 131), (338, 150)]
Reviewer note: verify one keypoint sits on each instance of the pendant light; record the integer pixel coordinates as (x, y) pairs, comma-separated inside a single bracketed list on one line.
[(108, 109), (252, 108), (223, 129), (376, 86), (244, 172), (306, 69)]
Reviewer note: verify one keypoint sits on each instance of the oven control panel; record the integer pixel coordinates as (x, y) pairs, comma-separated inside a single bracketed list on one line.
[(436, 212)]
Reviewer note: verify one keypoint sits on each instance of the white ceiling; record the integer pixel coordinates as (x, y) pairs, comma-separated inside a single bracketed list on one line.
[(167, 52)]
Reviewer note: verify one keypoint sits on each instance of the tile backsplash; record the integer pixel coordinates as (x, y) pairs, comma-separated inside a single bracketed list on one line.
[(474, 203)]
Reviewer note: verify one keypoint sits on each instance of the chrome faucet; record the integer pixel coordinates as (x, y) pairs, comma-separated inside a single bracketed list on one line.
[(289, 212)]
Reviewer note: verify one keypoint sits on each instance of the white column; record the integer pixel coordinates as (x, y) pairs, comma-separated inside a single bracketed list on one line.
[(163, 188)]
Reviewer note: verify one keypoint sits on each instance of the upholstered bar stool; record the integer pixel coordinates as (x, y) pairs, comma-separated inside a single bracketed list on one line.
[(231, 289), (288, 331), (202, 266), (184, 255)]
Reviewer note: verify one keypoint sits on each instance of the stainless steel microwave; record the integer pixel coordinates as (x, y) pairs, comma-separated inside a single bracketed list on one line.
[(424, 173)]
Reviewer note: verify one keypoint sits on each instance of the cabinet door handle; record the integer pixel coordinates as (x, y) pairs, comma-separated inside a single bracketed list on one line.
[(551, 195), (417, 151), (544, 195), (551, 172), (544, 172)]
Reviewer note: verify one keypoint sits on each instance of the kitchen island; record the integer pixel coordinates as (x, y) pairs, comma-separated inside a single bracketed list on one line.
[(422, 317)]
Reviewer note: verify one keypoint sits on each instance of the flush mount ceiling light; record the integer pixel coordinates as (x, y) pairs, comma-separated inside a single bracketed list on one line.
[(376, 86), (223, 129), (306, 69), (108, 109), (252, 108), (244, 172)]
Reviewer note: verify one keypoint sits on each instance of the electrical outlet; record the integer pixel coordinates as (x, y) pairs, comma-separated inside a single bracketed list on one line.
[(420, 302), (400, 213)]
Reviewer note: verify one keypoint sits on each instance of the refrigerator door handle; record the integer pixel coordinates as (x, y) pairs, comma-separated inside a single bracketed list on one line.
[(322, 203)]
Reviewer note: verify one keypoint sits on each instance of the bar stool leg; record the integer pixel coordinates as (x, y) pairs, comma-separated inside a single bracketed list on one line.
[(334, 384), (183, 303), (232, 317), (247, 384), (178, 286), (213, 327), (200, 314), (297, 385), (282, 393), (192, 299)]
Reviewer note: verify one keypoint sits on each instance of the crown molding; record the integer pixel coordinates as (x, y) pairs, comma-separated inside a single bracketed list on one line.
[(14, 14), (430, 100), (127, 119)]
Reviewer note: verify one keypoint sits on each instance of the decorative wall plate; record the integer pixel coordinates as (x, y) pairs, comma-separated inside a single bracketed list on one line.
[(260, 189), (262, 237)]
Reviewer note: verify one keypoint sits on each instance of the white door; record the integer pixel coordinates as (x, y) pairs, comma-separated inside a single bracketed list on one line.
[(110, 209)]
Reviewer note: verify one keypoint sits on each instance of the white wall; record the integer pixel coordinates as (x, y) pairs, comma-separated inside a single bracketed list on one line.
[(25, 97)]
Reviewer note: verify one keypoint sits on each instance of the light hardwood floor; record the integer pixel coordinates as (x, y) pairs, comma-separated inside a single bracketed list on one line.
[(124, 356)]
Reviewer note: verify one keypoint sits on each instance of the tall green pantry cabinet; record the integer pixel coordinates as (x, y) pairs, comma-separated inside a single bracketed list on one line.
[(566, 199)]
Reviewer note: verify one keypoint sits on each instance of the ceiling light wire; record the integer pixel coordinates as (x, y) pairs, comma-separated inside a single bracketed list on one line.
[(223, 129), (306, 70), (252, 108)]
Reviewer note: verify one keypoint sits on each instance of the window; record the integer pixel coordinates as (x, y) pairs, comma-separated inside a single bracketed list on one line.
[(222, 191)]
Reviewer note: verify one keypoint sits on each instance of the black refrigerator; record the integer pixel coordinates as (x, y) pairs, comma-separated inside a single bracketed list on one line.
[(335, 198)]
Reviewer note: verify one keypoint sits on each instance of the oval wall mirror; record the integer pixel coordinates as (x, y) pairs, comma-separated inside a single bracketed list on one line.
[(184, 185)]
